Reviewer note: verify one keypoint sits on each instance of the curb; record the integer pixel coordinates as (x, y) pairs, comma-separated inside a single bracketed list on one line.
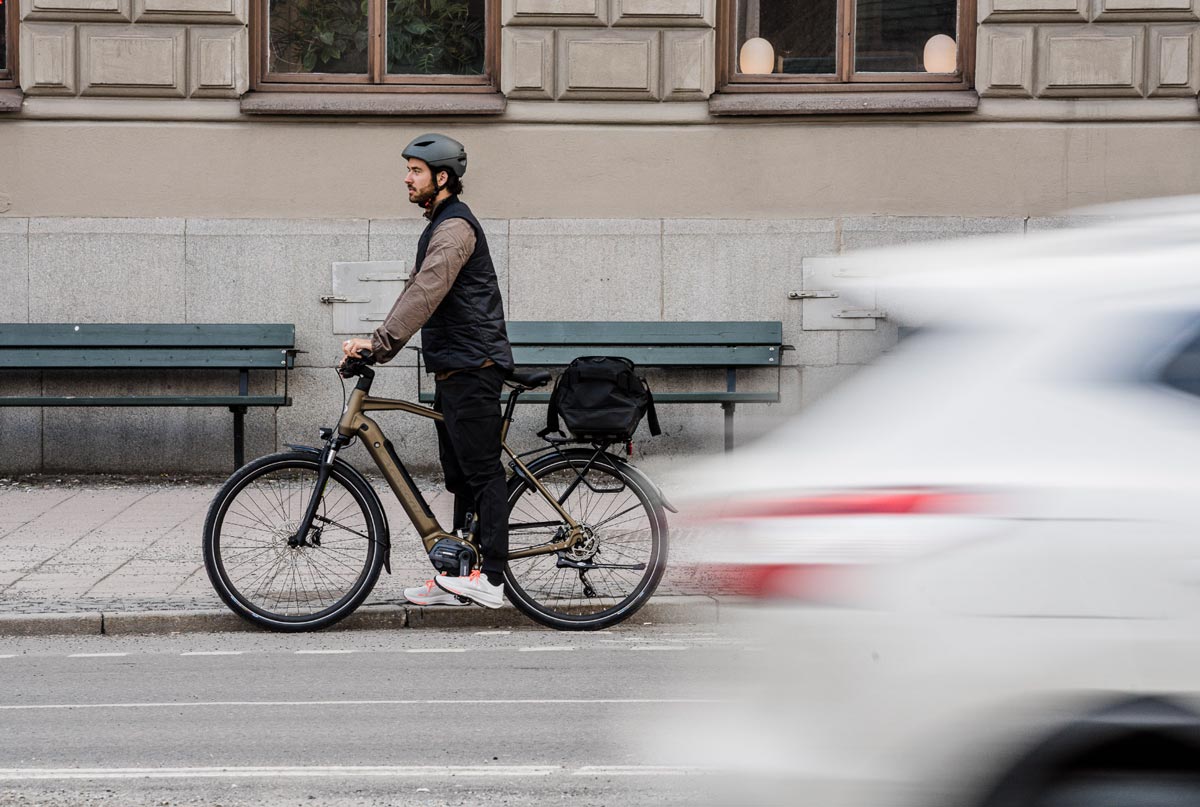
[(674, 610)]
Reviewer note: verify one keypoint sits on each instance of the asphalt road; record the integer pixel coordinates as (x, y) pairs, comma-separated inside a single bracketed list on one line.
[(406, 717)]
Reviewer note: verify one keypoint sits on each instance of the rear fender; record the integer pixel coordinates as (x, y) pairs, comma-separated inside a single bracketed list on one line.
[(586, 453)]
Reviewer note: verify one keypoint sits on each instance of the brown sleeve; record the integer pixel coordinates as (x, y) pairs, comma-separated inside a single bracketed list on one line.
[(449, 248)]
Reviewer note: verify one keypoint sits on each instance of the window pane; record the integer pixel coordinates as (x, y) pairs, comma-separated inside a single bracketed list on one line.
[(802, 33), (890, 35), (430, 37), (318, 36), (4, 34)]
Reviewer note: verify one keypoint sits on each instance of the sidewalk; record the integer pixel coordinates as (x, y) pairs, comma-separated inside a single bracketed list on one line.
[(92, 554)]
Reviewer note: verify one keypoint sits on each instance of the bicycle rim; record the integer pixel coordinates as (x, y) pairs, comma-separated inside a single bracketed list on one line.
[(625, 528), (278, 586)]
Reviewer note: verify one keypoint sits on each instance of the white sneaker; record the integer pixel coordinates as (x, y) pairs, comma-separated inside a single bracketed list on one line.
[(475, 588), (429, 594)]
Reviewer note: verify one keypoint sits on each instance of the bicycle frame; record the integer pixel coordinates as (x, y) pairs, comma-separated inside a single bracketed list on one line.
[(354, 423)]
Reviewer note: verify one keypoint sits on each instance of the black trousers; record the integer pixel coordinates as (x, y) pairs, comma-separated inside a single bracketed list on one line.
[(469, 446)]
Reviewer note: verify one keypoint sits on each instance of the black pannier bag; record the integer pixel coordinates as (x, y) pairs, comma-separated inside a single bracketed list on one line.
[(601, 398)]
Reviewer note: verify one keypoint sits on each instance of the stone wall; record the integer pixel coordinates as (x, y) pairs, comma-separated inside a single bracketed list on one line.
[(1088, 48), (209, 270), (654, 50), (163, 48)]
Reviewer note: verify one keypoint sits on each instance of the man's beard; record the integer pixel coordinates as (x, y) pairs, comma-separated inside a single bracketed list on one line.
[(423, 198)]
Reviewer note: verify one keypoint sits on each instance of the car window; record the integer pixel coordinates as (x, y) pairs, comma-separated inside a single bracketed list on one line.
[(1182, 370)]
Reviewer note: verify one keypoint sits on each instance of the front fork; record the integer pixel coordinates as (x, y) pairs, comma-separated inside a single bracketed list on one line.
[(333, 444)]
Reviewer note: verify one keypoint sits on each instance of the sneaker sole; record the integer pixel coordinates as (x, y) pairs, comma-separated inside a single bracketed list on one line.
[(455, 602), (481, 603)]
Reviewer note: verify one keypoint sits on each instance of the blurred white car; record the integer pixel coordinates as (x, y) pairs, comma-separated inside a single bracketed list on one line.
[(975, 566)]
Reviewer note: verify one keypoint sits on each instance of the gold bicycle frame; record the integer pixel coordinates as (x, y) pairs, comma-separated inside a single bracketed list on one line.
[(355, 424)]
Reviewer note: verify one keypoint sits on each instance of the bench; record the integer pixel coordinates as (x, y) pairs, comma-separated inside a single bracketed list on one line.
[(103, 347), (730, 346)]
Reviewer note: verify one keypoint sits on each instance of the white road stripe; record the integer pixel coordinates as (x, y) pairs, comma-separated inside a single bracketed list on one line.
[(9, 655), (549, 649), (436, 650), (334, 771), (323, 652), (18, 707), (213, 653), (96, 655), (492, 632), (18, 774), (637, 770), (658, 647)]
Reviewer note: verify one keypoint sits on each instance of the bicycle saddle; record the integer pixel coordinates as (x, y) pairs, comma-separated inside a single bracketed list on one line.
[(530, 380)]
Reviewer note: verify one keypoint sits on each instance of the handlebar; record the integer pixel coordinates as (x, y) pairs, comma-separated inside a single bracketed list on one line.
[(352, 366)]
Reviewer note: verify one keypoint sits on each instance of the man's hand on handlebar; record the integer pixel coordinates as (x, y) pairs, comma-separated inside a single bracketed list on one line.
[(358, 355), (355, 346)]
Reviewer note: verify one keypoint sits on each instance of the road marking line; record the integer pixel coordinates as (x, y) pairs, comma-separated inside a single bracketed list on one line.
[(637, 770), (436, 650), (550, 649), (323, 652), (213, 653), (96, 655), (13, 774), (492, 632), (659, 647), (18, 707), (9, 655)]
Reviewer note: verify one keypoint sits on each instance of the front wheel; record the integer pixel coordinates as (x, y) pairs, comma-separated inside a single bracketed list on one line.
[(268, 578), (609, 575)]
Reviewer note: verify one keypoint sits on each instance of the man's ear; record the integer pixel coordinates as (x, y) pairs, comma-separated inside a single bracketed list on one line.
[(441, 183)]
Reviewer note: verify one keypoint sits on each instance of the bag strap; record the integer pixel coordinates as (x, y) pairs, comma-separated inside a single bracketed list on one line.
[(552, 424), (651, 414)]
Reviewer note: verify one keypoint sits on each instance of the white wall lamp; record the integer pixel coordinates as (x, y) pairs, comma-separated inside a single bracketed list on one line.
[(757, 56), (941, 54)]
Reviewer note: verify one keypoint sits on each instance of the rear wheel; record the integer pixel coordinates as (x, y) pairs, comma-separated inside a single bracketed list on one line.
[(251, 558), (608, 576)]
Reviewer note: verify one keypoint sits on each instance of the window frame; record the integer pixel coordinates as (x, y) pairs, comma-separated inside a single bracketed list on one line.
[(729, 80), (376, 78), (8, 72)]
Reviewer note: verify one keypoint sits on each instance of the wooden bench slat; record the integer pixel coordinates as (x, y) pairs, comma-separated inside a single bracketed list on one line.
[(553, 356), (151, 400), (645, 333), (133, 358), (64, 334)]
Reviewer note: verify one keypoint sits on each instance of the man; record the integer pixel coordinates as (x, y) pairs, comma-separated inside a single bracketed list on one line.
[(453, 298)]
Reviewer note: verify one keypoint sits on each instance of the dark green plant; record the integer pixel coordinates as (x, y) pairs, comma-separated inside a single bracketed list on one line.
[(433, 36), (330, 36)]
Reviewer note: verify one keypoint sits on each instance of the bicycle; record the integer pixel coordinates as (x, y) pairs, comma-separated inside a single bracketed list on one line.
[(295, 541)]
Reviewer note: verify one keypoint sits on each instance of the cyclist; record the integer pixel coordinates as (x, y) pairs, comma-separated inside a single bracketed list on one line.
[(453, 298)]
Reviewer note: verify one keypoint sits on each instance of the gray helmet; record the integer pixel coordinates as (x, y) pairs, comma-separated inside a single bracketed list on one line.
[(441, 153)]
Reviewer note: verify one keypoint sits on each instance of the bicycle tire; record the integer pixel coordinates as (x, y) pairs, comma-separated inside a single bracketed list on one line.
[(555, 596), (290, 589)]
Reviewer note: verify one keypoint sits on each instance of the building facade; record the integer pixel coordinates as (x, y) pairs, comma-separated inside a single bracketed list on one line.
[(238, 161)]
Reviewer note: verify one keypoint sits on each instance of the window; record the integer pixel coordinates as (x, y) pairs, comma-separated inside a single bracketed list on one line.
[(371, 45), (1182, 370), (812, 45)]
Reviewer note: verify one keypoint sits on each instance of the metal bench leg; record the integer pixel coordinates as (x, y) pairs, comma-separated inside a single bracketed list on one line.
[(239, 436), (728, 406)]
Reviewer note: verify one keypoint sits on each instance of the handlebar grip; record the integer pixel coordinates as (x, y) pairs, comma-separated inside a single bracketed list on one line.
[(353, 365)]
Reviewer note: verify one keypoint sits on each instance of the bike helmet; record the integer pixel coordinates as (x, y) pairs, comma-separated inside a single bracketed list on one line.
[(441, 153)]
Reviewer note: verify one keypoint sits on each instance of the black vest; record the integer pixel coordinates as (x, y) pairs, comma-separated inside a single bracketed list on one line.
[(467, 328)]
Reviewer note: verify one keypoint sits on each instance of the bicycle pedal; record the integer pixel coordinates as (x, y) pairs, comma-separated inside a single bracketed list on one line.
[(463, 600)]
